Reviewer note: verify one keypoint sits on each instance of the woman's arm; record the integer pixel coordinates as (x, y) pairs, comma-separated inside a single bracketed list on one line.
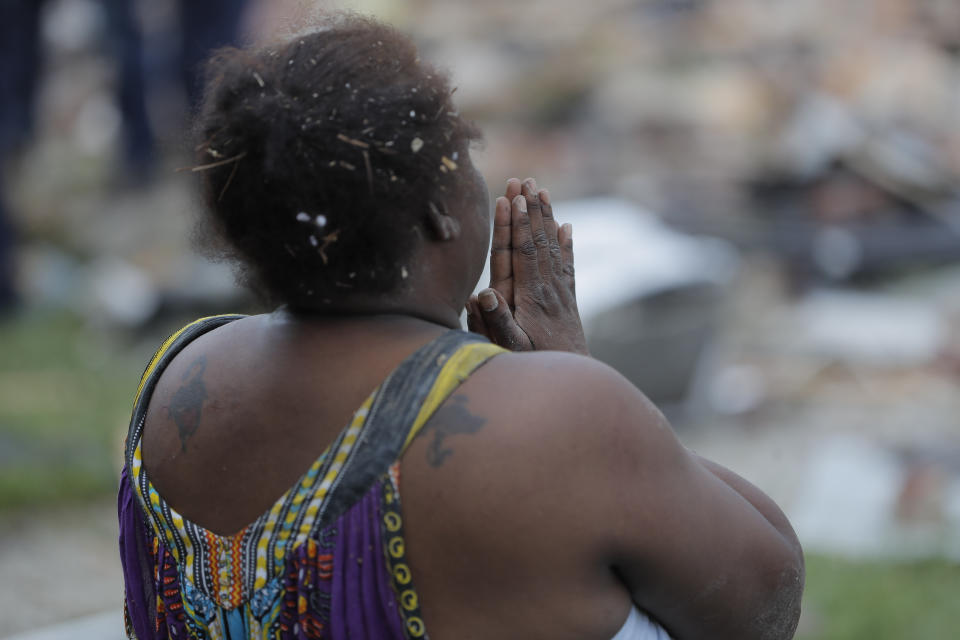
[(760, 501), (699, 548)]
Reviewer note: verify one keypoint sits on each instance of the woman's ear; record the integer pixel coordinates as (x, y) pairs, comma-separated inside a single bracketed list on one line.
[(442, 225)]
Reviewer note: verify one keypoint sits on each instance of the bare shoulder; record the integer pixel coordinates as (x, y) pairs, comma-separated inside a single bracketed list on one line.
[(570, 401), (528, 419)]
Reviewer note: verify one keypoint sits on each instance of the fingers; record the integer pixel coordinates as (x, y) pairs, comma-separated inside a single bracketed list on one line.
[(550, 228), (475, 321), (513, 189), (565, 240), (526, 267), (499, 322), (537, 226), (501, 258)]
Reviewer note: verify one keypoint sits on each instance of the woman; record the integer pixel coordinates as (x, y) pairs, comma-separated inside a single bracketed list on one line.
[(542, 495)]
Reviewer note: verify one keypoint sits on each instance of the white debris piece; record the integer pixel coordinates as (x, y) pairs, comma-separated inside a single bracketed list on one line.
[(869, 328)]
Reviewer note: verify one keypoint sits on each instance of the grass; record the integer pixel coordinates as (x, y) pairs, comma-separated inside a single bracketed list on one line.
[(65, 397), (853, 600)]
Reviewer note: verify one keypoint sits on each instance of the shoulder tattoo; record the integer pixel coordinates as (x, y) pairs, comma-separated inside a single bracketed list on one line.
[(451, 419), (187, 403)]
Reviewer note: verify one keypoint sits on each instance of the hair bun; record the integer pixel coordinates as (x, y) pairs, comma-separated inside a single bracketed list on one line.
[(322, 125)]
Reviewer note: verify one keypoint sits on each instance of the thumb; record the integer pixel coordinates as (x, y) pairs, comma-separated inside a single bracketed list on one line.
[(501, 326), (475, 321)]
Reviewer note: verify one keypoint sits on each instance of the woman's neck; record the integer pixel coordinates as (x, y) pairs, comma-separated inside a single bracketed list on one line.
[(377, 310)]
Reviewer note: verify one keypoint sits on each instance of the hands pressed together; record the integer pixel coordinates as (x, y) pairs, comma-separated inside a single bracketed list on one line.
[(531, 303)]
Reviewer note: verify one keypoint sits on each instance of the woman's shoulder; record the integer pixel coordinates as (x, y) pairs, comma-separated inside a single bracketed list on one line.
[(561, 395), (527, 416)]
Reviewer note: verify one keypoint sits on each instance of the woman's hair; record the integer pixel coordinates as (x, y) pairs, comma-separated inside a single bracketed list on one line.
[(322, 155)]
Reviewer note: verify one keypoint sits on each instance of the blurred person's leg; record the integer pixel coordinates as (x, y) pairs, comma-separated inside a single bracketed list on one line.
[(20, 60), (19, 70), (126, 48), (205, 26), (8, 294)]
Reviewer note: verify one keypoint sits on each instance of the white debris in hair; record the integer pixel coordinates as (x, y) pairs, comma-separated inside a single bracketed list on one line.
[(321, 220), (456, 155), (448, 164), (256, 76), (404, 273), (303, 216), (413, 114), (314, 241), (347, 85), (352, 274), (416, 144)]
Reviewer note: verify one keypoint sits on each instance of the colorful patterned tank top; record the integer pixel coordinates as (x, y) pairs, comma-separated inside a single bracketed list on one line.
[(327, 559)]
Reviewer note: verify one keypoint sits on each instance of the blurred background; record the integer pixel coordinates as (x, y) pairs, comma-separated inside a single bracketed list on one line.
[(766, 197)]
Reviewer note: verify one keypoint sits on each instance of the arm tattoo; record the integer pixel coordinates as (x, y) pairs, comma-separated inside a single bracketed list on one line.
[(453, 418), (187, 403)]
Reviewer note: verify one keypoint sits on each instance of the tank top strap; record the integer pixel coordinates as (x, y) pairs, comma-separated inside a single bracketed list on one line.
[(451, 372), (167, 352), (402, 405)]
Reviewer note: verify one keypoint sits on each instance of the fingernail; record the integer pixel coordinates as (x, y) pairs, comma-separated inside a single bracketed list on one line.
[(521, 203), (488, 300), (545, 196), (531, 185), (568, 230)]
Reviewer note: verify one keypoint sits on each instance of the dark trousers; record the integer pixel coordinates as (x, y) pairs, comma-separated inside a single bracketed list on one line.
[(205, 26), (7, 291), (19, 70), (126, 49), (20, 61)]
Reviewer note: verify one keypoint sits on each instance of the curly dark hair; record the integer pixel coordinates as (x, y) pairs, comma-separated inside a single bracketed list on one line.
[(322, 155)]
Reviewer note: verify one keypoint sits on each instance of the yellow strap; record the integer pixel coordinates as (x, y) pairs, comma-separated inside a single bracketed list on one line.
[(455, 370), (163, 349)]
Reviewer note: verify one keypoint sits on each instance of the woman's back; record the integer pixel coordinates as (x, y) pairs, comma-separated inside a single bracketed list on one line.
[(490, 564), (263, 394)]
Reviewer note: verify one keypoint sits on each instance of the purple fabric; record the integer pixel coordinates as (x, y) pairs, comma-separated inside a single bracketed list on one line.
[(363, 604), (132, 540)]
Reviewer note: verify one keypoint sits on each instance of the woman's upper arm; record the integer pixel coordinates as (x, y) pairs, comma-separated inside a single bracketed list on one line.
[(695, 553)]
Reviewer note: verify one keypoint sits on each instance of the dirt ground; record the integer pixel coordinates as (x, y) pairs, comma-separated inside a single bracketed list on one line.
[(57, 565)]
